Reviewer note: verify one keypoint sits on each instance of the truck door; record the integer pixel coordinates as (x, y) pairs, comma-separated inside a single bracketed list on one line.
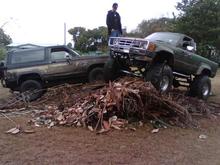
[(186, 58), (192, 62), (61, 65)]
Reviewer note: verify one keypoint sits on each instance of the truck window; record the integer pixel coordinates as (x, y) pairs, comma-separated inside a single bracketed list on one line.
[(187, 42), (59, 54), (27, 56)]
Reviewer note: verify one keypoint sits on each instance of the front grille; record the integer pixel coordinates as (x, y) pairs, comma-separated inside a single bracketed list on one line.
[(125, 42), (128, 45)]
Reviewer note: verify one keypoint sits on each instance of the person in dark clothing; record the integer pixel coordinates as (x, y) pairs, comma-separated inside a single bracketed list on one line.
[(113, 22)]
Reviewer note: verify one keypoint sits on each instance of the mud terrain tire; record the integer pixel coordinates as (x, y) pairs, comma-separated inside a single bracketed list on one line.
[(161, 76), (32, 89), (200, 87)]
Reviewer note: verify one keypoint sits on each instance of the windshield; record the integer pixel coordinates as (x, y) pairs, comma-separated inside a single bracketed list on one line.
[(171, 38)]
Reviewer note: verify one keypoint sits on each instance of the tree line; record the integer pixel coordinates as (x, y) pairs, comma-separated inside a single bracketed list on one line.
[(4, 40)]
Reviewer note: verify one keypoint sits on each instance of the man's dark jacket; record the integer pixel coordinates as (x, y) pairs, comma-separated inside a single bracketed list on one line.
[(113, 21)]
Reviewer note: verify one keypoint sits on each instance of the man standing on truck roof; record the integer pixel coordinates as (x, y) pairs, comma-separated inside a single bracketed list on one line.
[(113, 22)]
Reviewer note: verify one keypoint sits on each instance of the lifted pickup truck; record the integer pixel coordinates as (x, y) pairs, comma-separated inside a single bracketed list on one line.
[(38, 68), (164, 58)]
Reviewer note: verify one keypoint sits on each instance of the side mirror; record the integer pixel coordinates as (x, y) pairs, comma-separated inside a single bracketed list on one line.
[(68, 58), (190, 48)]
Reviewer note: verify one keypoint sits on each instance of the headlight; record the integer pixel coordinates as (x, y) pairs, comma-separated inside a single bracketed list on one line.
[(10, 75), (115, 42), (151, 47), (145, 46)]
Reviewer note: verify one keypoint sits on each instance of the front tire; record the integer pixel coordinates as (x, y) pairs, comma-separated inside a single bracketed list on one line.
[(161, 76), (32, 89), (201, 87)]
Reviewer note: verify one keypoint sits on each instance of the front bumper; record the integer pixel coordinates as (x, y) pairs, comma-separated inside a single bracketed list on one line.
[(130, 48), (133, 55)]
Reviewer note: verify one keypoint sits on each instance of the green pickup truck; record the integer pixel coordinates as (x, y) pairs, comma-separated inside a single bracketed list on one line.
[(164, 58)]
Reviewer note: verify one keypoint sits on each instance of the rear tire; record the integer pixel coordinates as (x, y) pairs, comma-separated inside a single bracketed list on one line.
[(200, 87), (161, 76), (32, 89), (96, 74)]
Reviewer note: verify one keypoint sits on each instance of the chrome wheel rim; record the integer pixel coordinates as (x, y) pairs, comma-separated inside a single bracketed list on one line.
[(164, 84), (205, 90)]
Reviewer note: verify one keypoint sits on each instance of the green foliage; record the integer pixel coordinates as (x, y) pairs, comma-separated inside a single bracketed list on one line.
[(147, 27), (76, 31), (185, 5), (201, 20), (4, 38), (2, 53), (209, 52), (89, 40)]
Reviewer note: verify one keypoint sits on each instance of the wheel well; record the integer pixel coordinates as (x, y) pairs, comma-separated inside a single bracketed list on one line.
[(94, 66), (206, 72), (30, 76), (162, 56)]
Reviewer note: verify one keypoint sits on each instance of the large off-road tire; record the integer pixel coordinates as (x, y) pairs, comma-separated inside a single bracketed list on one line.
[(200, 87), (111, 70), (161, 76), (96, 74), (32, 89)]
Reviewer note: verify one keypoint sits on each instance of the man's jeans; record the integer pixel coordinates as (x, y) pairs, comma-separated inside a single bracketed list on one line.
[(114, 33)]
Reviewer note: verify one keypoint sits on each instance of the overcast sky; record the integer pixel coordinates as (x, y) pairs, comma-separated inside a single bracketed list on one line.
[(42, 21)]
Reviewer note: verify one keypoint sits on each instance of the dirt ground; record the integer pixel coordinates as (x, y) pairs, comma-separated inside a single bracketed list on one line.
[(65, 145)]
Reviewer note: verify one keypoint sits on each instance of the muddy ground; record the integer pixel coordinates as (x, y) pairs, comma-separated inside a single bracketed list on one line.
[(63, 145)]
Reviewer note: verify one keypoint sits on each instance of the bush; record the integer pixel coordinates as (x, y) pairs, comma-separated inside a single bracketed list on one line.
[(209, 52), (2, 53)]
